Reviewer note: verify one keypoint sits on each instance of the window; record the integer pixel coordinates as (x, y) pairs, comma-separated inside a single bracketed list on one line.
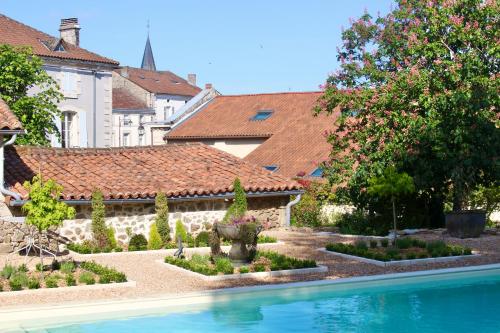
[(126, 120), (69, 84), (271, 168), (126, 139), (166, 112), (317, 173), (262, 115), (141, 119), (141, 139), (69, 130)]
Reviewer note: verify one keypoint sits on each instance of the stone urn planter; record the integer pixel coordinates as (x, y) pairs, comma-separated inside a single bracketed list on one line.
[(466, 223), (239, 252)]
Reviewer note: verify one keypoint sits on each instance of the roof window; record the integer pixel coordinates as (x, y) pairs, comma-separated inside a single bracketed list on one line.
[(262, 115), (271, 168), (318, 172)]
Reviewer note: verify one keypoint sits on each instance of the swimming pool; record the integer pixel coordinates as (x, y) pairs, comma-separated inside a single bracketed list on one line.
[(446, 302)]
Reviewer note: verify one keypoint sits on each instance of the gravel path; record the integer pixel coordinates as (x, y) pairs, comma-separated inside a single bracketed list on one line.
[(154, 279)]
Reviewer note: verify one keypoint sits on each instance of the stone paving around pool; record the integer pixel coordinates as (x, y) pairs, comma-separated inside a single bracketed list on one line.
[(153, 279)]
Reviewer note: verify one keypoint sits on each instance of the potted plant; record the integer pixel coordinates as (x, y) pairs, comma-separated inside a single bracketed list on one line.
[(243, 233)]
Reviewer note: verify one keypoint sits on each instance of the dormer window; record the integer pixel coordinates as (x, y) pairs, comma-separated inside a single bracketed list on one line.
[(318, 172), (271, 168), (59, 48), (262, 115)]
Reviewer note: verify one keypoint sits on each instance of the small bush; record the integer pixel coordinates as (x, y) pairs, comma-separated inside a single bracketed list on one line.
[(190, 241), (155, 241), (223, 265), (419, 243), (22, 268), (111, 237), (7, 271), (467, 251), (423, 255), (404, 243), (435, 246), (384, 242), (70, 280), (180, 231), (113, 274), (266, 239), (15, 285), (202, 239), (51, 282), (33, 283), (259, 267), (392, 253), (87, 278), (361, 245), (55, 265), (198, 263), (411, 256), (373, 244), (104, 279), (244, 269), (138, 243)]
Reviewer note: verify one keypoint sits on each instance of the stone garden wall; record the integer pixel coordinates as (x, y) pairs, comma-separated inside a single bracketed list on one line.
[(129, 219)]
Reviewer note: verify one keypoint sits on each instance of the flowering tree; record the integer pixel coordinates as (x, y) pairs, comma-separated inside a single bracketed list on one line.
[(418, 88)]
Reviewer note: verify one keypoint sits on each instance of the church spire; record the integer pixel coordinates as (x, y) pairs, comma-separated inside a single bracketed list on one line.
[(148, 61)]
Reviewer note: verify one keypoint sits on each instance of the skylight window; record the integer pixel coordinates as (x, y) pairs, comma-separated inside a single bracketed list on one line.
[(271, 168), (262, 115), (318, 172)]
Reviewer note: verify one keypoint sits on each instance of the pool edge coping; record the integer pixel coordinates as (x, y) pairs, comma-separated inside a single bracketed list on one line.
[(14, 325)]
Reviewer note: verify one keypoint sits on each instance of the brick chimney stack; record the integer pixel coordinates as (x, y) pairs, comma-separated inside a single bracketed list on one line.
[(70, 30), (192, 79), (208, 86)]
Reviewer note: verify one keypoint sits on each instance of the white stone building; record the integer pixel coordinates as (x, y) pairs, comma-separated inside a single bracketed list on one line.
[(85, 79)]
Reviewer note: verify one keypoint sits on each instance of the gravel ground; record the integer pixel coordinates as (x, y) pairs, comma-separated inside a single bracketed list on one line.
[(154, 279)]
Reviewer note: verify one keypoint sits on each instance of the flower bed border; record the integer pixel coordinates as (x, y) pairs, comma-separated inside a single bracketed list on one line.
[(164, 251), (403, 262), (128, 284), (258, 275)]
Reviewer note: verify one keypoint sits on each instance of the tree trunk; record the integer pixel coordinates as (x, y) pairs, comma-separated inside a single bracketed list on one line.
[(41, 252), (394, 218)]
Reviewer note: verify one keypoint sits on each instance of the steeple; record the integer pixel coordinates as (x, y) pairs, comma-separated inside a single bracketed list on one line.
[(148, 61)]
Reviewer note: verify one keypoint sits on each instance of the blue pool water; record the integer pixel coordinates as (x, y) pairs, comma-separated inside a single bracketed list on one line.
[(458, 302)]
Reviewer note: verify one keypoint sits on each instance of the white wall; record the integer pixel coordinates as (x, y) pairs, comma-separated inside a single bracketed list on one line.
[(77, 86), (132, 129), (174, 103), (237, 147)]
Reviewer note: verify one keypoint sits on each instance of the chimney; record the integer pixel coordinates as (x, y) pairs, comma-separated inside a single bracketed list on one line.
[(192, 79), (208, 86), (70, 31), (124, 71)]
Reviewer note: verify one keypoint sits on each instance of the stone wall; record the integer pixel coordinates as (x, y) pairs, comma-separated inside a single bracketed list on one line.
[(136, 218)]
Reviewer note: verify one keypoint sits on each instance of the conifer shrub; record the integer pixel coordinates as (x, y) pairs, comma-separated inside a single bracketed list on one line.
[(239, 206), (180, 230), (161, 219), (155, 242), (100, 232), (138, 243)]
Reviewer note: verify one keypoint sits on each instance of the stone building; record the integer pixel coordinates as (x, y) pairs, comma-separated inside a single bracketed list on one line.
[(85, 80), (197, 180), (166, 94)]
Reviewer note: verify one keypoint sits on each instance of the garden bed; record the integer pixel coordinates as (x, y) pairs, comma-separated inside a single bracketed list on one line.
[(265, 264), (87, 248), (67, 274), (405, 251)]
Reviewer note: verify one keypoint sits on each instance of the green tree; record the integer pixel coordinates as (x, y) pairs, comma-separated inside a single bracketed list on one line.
[(44, 210), (239, 207), (391, 184), (161, 219), (155, 242), (418, 89), (20, 71), (100, 232), (180, 231)]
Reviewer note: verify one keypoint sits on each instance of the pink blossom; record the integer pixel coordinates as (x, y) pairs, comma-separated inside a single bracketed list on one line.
[(457, 20)]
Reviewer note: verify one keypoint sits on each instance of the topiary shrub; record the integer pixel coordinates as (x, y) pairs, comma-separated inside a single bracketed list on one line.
[(100, 232), (202, 239), (239, 207), (155, 242), (180, 231), (161, 219), (138, 243)]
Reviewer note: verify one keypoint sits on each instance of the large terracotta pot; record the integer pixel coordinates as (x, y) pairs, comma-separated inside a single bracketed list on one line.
[(466, 223)]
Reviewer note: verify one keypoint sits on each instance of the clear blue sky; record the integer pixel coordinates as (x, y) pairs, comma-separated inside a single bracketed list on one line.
[(240, 46)]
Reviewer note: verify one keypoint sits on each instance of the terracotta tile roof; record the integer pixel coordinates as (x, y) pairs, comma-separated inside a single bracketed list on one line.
[(8, 121), (16, 33), (160, 82), (296, 140), (123, 99), (139, 172)]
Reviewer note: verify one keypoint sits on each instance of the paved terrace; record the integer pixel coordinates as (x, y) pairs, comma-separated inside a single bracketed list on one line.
[(154, 279)]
